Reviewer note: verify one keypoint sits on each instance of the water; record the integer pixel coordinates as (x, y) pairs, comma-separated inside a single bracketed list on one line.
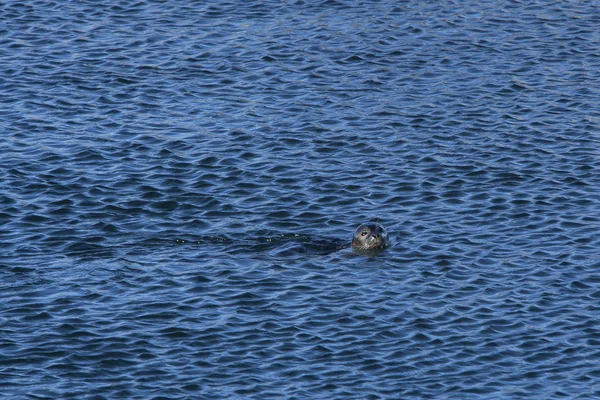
[(173, 174)]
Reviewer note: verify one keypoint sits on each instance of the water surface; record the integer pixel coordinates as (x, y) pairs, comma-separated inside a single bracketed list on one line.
[(173, 173)]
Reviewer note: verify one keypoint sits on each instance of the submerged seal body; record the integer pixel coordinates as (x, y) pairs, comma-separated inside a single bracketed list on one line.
[(370, 238)]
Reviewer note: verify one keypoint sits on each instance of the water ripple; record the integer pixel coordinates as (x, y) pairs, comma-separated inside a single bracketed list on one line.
[(178, 180)]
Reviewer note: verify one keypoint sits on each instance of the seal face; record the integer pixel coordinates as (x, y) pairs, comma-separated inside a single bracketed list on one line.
[(370, 238)]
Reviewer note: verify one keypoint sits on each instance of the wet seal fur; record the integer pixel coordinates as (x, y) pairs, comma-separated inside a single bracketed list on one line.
[(370, 239)]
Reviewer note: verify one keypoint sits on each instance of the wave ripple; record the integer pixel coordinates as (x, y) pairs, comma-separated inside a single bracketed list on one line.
[(177, 176)]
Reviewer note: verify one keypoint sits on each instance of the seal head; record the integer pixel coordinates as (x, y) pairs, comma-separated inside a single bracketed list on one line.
[(370, 238)]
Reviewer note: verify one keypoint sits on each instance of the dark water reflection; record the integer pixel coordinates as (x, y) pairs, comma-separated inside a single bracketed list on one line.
[(175, 174)]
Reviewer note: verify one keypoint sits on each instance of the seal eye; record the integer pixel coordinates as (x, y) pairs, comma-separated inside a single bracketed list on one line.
[(364, 233)]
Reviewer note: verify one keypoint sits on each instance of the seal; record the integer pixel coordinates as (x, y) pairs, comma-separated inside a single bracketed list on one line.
[(370, 238)]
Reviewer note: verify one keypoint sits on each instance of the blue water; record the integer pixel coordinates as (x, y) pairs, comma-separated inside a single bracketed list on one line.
[(174, 175)]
